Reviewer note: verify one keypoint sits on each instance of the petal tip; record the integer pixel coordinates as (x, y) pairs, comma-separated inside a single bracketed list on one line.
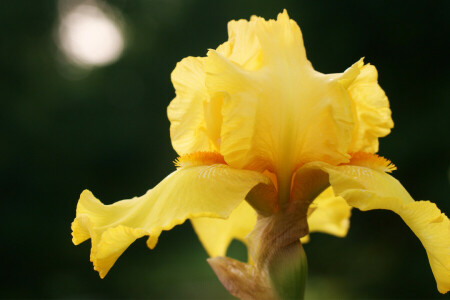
[(283, 14), (86, 193)]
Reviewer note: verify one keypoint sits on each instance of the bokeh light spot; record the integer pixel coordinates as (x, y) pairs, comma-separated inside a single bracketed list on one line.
[(89, 34)]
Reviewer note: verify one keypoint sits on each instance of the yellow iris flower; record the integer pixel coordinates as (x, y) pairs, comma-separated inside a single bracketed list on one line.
[(264, 138)]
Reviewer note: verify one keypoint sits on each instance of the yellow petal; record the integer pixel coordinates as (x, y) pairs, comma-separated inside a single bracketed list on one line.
[(195, 118), (371, 109), (330, 214), (189, 192), (432, 227), (367, 189), (281, 113), (243, 45), (217, 234), (305, 239)]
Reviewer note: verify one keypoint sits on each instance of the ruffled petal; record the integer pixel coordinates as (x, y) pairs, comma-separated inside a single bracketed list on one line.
[(217, 234), (279, 113), (188, 129), (244, 48), (367, 188), (190, 192), (195, 116), (370, 107), (330, 214)]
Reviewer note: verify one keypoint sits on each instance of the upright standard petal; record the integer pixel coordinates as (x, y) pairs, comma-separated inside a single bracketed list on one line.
[(371, 110), (192, 191), (195, 117), (243, 45), (217, 234), (281, 113), (366, 186)]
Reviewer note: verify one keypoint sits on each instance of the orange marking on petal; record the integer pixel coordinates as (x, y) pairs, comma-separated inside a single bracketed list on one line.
[(372, 161), (201, 158)]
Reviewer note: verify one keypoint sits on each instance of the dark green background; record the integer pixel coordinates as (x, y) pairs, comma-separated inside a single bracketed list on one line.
[(108, 131)]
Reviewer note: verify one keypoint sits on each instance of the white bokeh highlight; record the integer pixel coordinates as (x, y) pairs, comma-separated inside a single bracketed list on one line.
[(90, 37)]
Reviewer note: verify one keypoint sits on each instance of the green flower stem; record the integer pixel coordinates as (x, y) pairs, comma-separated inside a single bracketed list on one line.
[(288, 271)]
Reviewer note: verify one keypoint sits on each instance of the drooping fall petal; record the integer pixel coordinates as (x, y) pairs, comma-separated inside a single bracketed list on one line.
[(190, 192), (367, 187), (217, 234), (330, 214)]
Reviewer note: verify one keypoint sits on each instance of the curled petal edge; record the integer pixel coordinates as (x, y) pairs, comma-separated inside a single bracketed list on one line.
[(212, 191), (366, 189)]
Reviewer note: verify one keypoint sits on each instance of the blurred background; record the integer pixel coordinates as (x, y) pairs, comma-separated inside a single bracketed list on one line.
[(84, 89)]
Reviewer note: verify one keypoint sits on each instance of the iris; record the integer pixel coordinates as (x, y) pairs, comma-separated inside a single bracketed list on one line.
[(270, 151)]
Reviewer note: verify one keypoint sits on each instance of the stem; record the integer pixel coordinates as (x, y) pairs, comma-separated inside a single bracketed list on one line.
[(288, 271)]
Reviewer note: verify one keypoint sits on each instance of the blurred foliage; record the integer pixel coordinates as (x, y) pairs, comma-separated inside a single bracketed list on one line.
[(106, 129)]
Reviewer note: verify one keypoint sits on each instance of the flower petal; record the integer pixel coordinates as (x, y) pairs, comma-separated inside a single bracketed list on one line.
[(367, 189), (244, 48), (217, 234), (195, 118), (371, 109), (190, 192), (330, 214), (281, 113), (432, 227)]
